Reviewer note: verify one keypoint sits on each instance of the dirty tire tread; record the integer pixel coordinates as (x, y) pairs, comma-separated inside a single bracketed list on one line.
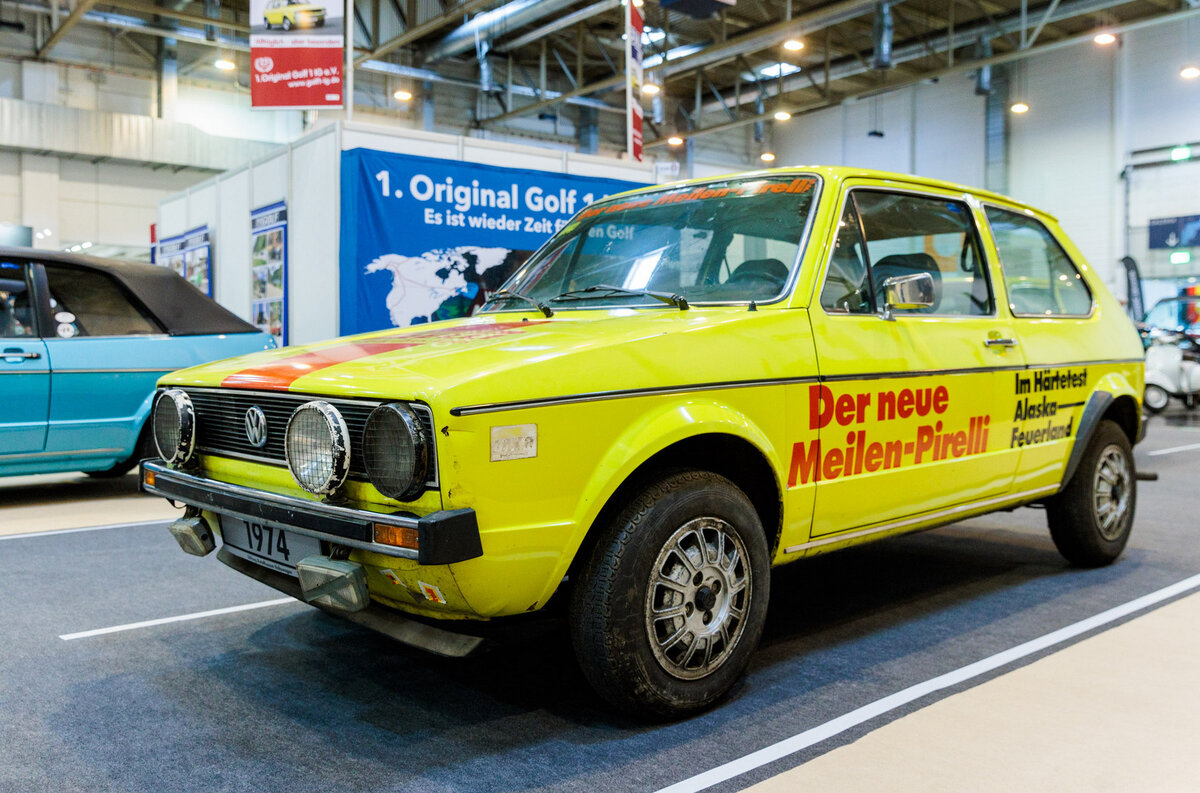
[(1069, 514), (605, 639)]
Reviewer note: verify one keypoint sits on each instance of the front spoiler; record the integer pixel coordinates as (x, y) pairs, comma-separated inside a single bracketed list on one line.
[(443, 537), (375, 617)]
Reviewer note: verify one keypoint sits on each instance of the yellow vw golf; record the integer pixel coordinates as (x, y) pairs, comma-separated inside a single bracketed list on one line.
[(289, 14), (685, 386)]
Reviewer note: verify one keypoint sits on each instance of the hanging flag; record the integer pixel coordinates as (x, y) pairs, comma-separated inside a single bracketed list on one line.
[(1135, 304), (633, 85), (296, 54)]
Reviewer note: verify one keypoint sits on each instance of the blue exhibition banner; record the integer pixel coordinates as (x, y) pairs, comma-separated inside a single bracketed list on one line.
[(425, 239), (1181, 232), (268, 270)]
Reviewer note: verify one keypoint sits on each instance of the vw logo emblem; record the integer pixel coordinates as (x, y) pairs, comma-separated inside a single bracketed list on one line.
[(256, 427)]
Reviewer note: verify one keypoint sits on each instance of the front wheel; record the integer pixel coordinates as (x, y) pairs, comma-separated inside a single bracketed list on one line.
[(1155, 398), (671, 603), (1091, 518)]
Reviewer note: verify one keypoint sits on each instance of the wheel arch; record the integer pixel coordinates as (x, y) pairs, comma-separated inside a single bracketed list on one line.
[(1114, 400), (711, 436)]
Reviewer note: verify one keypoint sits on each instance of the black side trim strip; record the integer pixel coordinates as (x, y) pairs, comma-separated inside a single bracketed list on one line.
[(1097, 404), (597, 396)]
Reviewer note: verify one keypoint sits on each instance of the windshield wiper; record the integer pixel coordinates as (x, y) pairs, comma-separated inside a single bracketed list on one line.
[(505, 294), (600, 291)]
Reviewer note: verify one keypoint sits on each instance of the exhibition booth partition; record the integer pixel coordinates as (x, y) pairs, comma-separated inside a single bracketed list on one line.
[(355, 228)]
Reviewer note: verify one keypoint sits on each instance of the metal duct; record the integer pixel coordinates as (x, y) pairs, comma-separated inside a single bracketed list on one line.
[(885, 29), (493, 24), (983, 75)]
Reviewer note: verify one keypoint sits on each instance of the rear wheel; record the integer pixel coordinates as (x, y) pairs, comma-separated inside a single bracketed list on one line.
[(1091, 518), (671, 603), (1155, 398), (287, 23)]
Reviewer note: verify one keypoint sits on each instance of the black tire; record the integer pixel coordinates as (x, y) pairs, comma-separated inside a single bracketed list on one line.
[(287, 23), (266, 23), (618, 642), (1155, 398), (1079, 524)]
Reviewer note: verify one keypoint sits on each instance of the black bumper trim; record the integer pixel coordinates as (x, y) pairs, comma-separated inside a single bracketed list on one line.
[(443, 537)]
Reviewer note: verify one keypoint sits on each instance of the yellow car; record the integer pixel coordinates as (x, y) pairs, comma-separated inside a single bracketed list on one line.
[(685, 386), (289, 14)]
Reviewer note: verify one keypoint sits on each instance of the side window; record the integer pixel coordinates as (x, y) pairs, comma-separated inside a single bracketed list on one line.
[(847, 287), (908, 234), (1039, 276), (88, 303), (16, 303)]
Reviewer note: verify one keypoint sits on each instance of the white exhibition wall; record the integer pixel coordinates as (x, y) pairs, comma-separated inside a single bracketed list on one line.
[(306, 174), (1090, 108)]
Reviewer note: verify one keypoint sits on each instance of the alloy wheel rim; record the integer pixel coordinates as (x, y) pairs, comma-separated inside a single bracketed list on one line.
[(698, 598), (1111, 489)]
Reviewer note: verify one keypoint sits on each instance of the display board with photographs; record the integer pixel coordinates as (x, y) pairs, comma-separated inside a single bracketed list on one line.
[(190, 255), (268, 270)]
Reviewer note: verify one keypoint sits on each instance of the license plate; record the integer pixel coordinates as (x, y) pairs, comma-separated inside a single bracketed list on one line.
[(270, 546)]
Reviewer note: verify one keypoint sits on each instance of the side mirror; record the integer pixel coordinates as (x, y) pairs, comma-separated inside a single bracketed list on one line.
[(907, 292)]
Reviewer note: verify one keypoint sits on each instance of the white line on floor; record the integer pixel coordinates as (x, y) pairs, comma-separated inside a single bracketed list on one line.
[(199, 615), (1173, 449), (879, 707), (86, 528)]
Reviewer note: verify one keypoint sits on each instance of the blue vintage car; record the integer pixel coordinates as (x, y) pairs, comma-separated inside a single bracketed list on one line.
[(82, 342)]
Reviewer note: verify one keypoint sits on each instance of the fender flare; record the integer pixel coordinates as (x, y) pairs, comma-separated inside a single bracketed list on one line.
[(1095, 409), (657, 430)]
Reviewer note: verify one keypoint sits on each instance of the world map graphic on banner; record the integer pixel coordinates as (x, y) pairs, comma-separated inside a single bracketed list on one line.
[(445, 283)]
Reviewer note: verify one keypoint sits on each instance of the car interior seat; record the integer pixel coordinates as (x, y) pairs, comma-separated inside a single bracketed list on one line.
[(771, 271)]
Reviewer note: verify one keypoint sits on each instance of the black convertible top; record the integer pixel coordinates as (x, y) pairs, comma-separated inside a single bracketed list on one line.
[(178, 306)]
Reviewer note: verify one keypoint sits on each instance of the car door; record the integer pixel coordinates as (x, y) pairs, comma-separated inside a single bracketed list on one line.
[(908, 407), (106, 354), (1057, 321), (24, 367)]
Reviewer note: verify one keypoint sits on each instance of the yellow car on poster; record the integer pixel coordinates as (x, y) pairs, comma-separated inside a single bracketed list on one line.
[(686, 385), (289, 14)]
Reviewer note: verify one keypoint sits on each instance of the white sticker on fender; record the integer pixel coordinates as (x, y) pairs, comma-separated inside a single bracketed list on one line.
[(514, 442)]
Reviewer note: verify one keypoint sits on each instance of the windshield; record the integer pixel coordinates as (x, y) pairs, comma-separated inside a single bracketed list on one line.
[(731, 241), (1178, 315)]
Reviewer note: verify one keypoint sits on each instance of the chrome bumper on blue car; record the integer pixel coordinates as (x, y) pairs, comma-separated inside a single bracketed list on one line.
[(443, 537)]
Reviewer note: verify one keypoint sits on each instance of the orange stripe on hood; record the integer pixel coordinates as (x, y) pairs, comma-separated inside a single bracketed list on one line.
[(279, 375)]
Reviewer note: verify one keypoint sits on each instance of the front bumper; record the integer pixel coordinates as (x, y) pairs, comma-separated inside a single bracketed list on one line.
[(443, 537)]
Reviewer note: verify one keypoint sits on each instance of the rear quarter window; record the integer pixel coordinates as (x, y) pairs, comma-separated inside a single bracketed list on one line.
[(1040, 278)]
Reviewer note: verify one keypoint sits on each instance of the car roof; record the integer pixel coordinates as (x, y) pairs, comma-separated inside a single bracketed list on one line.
[(178, 306), (841, 173)]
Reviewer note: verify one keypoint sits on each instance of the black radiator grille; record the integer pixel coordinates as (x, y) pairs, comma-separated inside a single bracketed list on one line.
[(221, 425)]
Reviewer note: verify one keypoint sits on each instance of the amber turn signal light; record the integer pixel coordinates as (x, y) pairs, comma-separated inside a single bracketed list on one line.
[(149, 479), (400, 536)]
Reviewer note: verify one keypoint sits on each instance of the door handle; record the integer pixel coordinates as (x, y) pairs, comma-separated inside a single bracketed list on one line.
[(1000, 342), (14, 352)]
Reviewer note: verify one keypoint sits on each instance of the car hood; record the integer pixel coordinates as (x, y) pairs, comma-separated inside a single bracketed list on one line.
[(512, 357)]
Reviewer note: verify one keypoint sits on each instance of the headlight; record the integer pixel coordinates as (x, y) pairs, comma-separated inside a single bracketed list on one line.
[(317, 446), (396, 452), (174, 426)]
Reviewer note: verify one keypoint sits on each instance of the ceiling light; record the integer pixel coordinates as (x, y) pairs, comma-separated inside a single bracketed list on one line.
[(1189, 72), (1104, 39), (793, 45), (224, 64), (767, 156), (402, 95), (782, 115), (86, 245), (47, 232), (1181, 153), (1019, 107), (638, 3), (674, 140), (778, 69), (650, 89)]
